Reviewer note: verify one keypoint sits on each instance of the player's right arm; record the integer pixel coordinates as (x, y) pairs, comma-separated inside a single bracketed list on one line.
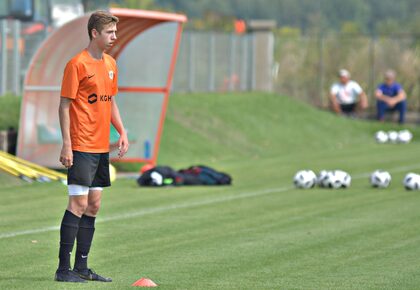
[(380, 95), (66, 155), (334, 104), (333, 100), (69, 88)]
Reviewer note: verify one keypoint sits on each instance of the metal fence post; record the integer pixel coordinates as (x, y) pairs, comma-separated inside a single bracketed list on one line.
[(212, 45), (372, 64), (321, 70), (191, 63), (16, 57), (232, 56), (244, 64), (3, 50), (270, 61), (253, 62)]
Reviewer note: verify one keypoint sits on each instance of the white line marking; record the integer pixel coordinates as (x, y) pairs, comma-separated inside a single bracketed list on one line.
[(394, 170), (154, 210), (28, 232)]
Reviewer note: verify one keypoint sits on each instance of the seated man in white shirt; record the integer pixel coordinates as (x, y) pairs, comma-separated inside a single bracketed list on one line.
[(346, 96)]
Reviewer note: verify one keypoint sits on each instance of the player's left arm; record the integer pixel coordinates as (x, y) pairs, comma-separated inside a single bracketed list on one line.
[(362, 96), (118, 124), (363, 100), (398, 98), (401, 95)]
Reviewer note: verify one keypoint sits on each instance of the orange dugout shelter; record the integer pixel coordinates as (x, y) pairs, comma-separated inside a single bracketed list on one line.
[(146, 50)]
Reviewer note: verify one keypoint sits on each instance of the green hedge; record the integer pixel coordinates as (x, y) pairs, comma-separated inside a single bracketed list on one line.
[(9, 111)]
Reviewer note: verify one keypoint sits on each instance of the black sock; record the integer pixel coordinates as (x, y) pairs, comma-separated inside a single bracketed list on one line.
[(84, 240), (68, 232)]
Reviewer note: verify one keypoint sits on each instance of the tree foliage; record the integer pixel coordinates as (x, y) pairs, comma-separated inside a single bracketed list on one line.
[(308, 16), (366, 16)]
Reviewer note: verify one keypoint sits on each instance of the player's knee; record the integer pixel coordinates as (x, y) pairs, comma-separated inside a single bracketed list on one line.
[(93, 207), (78, 208)]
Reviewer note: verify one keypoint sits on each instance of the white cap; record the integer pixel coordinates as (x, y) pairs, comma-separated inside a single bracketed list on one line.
[(344, 73)]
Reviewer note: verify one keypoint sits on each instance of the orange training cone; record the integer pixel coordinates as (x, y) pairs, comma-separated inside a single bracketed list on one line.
[(144, 282)]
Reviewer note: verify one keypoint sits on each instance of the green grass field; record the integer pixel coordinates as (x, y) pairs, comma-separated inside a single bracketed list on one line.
[(260, 233)]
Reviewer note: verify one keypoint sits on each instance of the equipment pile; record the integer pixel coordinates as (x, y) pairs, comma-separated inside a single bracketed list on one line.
[(194, 175)]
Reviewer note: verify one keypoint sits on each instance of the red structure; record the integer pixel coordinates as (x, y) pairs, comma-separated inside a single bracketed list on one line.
[(146, 52)]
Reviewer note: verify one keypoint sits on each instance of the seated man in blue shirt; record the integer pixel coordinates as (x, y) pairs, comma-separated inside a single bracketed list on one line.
[(391, 97)]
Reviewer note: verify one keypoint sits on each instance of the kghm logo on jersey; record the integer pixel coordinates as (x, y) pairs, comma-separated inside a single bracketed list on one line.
[(111, 74), (105, 98), (93, 98)]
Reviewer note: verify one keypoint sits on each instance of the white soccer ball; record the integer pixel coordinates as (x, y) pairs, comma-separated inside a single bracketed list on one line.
[(381, 137), (412, 181), (304, 179), (322, 178), (334, 180), (344, 178), (380, 178), (404, 136), (393, 136)]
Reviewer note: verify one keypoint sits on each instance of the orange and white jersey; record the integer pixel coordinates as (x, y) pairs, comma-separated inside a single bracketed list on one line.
[(91, 84)]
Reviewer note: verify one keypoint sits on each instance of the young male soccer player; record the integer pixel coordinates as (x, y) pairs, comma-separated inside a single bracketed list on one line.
[(87, 109)]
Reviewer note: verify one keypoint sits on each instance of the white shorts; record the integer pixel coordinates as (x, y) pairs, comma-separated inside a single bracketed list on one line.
[(75, 189)]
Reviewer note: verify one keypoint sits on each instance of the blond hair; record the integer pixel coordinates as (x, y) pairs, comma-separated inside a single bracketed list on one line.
[(99, 19), (390, 74)]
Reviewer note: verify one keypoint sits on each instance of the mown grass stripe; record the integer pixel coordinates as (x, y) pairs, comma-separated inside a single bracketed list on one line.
[(188, 205)]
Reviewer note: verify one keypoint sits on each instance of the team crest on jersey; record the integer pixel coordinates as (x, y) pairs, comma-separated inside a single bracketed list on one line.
[(111, 74)]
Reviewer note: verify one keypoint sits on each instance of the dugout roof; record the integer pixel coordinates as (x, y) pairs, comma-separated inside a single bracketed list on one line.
[(146, 50)]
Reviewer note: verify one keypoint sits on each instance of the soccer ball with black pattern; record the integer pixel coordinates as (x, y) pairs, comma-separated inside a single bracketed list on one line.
[(334, 179), (381, 137), (344, 178), (393, 136), (322, 178), (304, 179), (405, 136), (412, 181), (380, 179)]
